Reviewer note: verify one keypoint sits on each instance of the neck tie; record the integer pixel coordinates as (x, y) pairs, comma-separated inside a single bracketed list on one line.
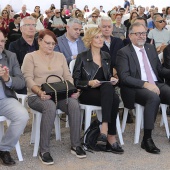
[(147, 69)]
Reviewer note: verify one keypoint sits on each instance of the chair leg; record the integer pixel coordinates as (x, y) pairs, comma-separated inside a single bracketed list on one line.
[(18, 150), (67, 123), (87, 117), (57, 128), (125, 114), (32, 141), (164, 118), (37, 133), (139, 114), (119, 130)]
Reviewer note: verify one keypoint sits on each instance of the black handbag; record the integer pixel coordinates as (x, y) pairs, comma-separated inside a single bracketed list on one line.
[(59, 90)]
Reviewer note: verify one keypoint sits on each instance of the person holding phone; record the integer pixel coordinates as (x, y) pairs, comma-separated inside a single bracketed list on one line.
[(92, 67)]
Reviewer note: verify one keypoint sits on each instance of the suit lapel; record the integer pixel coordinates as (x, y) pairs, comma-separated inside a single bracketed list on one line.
[(135, 58), (79, 46), (65, 44)]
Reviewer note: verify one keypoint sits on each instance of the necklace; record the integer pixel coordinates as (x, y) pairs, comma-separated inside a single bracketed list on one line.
[(46, 61)]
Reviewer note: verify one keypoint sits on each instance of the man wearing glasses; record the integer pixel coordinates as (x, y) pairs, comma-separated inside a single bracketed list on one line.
[(57, 24), (26, 43), (140, 73), (159, 34)]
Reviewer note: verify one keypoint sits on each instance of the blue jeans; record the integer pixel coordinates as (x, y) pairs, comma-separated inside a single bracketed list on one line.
[(18, 115)]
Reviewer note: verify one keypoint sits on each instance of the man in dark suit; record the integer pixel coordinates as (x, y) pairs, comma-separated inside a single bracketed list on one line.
[(140, 73), (112, 45), (11, 79), (166, 59)]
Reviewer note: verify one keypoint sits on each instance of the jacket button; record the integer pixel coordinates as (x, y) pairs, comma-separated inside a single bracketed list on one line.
[(87, 59)]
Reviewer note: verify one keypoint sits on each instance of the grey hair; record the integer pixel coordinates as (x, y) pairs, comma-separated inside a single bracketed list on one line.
[(74, 21), (155, 16), (26, 18), (105, 18), (136, 24)]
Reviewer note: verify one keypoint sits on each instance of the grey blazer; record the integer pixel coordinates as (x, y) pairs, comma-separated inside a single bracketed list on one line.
[(9, 59), (63, 47)]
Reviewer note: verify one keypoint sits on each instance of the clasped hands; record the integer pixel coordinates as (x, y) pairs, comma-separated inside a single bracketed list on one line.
[(96, 83), (152, 87), (4, 73)]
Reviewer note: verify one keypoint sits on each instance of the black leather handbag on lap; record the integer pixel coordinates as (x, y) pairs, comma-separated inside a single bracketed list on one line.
[(59, 90)]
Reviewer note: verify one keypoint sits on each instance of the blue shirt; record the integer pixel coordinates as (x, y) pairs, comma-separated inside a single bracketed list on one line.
[(73, 47)]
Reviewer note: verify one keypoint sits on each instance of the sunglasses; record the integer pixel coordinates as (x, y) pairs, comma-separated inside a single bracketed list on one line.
[(163, 10), (57, 12), (161, 21), (94, 16)]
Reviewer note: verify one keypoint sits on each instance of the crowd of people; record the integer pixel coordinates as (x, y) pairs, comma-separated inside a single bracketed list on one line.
[(116, 58)]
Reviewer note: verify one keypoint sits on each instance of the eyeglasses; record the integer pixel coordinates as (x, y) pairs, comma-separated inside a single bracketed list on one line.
[(160, 21), (138, 34), (94, 16), (4, 13), (30, 25), (163, 10), (57, 12), (49, 43)]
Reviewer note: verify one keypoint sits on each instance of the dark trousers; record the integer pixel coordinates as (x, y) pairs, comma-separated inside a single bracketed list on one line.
[(105, 97), (151, 101)]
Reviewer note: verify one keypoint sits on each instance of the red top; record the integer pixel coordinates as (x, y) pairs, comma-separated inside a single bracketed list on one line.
[(22, 15)]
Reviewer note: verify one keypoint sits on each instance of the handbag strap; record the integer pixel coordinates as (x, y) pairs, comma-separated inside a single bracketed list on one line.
[(53, 76)]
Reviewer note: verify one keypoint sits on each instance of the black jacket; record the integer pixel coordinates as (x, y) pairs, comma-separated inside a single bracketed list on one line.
[(166, 64), (115, 45), (85, 69), (21, 48)]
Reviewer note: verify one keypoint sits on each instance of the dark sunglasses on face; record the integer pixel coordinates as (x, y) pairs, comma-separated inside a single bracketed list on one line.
[(94, 16), (161, 21), (57, 12)]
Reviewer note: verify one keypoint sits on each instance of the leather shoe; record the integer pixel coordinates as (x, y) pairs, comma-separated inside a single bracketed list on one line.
[(149, 146), (6, 158), (114, 148)]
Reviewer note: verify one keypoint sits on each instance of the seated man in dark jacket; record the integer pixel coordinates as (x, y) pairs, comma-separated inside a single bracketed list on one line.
[(26, 43)]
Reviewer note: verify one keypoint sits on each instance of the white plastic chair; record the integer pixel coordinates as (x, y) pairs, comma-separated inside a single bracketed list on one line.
[(139, 120), (88, 110), (138, 123), (35, 134), (164, 119)]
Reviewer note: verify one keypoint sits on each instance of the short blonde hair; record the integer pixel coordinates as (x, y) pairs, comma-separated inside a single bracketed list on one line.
[(89, 35)]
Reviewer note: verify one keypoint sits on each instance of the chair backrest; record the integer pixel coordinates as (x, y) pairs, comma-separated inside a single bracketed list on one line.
[(71, 66), (161, 57)]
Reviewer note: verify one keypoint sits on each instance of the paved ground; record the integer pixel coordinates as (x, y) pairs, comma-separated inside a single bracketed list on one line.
[(134, 157)]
